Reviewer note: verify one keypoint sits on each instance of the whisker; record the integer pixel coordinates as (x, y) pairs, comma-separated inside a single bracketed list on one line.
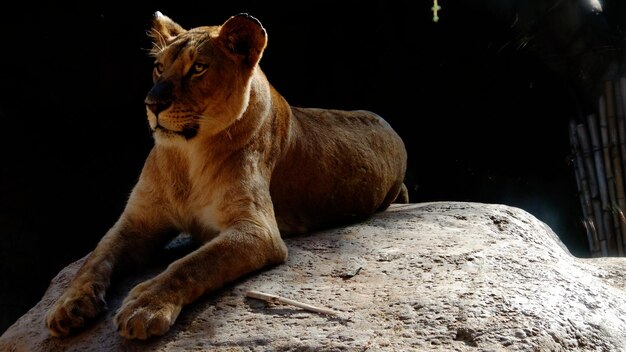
[(203, 119)]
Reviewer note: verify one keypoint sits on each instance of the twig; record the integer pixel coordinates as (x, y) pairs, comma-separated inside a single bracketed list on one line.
[(274, 298)]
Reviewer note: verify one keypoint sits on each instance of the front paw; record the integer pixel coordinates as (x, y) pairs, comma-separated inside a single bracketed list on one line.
[(72, 310), (147, 311)]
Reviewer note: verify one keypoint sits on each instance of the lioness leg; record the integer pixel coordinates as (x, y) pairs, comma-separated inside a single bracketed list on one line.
[(128, 242), (153, 306)]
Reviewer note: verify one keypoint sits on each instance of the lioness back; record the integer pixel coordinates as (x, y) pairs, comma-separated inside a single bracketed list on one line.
[(360, 146)]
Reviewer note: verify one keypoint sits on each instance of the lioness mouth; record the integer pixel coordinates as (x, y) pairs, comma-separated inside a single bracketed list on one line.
[(188, 131)]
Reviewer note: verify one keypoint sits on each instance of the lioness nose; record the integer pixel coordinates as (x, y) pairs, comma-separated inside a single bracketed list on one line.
[(159, 97)]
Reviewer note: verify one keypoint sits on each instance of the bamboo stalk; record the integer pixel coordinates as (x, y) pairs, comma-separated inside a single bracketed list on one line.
[(618, 201), (622, 121), (605, 108), (593, 183), (607, 228), (582, 183), (620, 103)]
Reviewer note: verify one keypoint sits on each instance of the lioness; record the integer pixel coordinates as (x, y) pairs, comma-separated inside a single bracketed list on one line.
[(235, 166)]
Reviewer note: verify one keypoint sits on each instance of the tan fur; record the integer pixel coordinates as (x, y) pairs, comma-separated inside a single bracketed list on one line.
[(235, 166)]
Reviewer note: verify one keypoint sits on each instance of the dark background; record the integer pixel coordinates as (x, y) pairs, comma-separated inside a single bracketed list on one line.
[(482, 100)]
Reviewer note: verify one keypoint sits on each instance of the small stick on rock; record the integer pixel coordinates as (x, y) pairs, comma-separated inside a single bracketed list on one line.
[(274, 298)]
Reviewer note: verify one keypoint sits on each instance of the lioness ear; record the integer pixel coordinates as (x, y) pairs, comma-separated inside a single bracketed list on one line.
[(163, 31), (244, 36)]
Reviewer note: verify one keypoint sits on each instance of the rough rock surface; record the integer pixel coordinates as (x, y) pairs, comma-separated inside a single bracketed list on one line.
[(443, 276)]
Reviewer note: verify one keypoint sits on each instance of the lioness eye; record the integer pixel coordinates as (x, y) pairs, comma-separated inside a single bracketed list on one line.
[(158, 67), (198, 68)]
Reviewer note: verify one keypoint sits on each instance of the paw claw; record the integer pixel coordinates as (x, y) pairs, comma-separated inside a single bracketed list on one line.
[(71, 311), (142, 315)]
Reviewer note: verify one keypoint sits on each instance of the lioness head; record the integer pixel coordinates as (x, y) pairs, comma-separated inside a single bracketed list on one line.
[(201, 76)]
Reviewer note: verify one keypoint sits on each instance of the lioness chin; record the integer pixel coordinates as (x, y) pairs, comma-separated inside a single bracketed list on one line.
[(235, 166)]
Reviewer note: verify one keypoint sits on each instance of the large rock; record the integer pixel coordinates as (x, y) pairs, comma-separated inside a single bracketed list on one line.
[(434, 276)]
